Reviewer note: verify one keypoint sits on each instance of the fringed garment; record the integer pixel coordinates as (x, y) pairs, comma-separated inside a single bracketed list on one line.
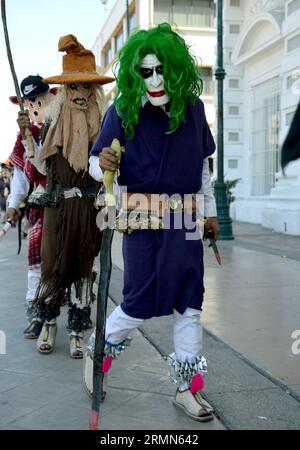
[(70, 239)]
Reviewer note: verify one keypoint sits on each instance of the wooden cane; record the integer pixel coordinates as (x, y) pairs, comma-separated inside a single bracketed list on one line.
[(5, 229), (102, 296), (28, 133)]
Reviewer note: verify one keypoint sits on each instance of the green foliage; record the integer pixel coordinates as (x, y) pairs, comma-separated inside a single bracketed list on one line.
[(231, 184)]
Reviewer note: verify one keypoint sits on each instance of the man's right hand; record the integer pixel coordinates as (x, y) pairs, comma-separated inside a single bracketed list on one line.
[(109, 160), (23, 122), (12, 215)]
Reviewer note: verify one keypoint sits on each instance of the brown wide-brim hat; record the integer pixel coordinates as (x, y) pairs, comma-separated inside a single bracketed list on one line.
[(80, 77), (79, 65)]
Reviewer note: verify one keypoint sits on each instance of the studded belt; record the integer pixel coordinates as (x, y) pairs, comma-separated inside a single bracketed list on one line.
[(141, 211), (158, 204)]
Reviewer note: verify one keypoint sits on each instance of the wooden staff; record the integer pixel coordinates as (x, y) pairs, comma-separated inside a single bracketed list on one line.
[(28, 133), (102, 297), (5, 229)]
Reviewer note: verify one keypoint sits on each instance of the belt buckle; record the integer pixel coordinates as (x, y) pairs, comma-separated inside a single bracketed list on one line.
[(175, 205), (74, 192), (78, 192)]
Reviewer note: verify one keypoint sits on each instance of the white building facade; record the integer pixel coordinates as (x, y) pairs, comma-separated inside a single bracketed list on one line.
[(261, 94), (195, 19)]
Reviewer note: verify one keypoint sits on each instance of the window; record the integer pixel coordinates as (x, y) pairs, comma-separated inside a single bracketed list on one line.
[(180, 13), (292, 79), (293, 6), (235, 3), (185, 13), (163, 11), (293, 43), (264, 143), (107, 56), (119, 40), (208, 82), (202, 14), (234, 110), (289, 118), (132, 22), (233, 164), (234, 28), (234, 83), (233, 136)]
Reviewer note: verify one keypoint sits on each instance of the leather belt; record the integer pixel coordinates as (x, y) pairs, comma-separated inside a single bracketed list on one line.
[(57, 193), (75, 191), (158, 204)]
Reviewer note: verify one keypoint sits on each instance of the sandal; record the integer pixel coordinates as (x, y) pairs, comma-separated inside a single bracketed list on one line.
[(205, 403), (193, 405), (88, 366), (46, 340), (89, 324), (33, 330), (76, 341)]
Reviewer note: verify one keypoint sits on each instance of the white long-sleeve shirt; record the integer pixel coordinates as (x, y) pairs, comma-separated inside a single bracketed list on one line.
[(19, 188), (210, 207)]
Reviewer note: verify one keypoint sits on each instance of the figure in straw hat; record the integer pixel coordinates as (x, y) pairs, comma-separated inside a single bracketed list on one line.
[(70, 238)]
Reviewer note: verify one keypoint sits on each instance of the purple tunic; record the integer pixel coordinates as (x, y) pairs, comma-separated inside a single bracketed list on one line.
[(162, 270)]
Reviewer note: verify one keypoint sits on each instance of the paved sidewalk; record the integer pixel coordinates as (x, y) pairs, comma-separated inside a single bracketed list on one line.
[(46, 391), (253, 303), (251, 308)]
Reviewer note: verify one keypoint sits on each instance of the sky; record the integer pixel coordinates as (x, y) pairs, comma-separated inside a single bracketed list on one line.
[(35, 27)]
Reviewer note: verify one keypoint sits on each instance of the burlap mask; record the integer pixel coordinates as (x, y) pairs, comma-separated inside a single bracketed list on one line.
[(77, 126)]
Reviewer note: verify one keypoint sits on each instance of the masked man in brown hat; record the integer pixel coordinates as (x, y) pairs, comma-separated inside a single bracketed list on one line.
[(70, 238)]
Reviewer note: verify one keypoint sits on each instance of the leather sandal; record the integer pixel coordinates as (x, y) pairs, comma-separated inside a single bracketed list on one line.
[(76, 341), (88, 366), (89, 324), (202, 400), (193, 405), (46, 340), (33, 330)]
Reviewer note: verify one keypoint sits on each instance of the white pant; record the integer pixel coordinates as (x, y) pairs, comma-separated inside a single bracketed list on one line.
[(34, 277), (187, 331), (83, 298)]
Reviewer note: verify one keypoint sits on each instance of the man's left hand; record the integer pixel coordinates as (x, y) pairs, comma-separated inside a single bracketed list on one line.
[(211, 225)]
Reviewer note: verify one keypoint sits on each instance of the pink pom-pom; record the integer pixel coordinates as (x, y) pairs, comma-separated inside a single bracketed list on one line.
[(106, 364), (197, 383)]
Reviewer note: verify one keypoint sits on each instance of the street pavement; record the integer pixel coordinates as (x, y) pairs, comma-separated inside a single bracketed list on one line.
[(250, 311), (45, 392)]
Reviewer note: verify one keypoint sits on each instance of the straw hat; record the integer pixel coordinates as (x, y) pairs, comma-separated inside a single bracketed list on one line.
[(79, 65)]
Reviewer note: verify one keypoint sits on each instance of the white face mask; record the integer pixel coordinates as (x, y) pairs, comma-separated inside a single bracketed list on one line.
[(151, 71)]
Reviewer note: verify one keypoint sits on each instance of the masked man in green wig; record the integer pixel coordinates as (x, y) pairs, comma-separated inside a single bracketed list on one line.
[(160, 121)]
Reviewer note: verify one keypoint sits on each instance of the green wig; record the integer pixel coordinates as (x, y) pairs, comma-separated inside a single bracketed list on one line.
[(182, 82)]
